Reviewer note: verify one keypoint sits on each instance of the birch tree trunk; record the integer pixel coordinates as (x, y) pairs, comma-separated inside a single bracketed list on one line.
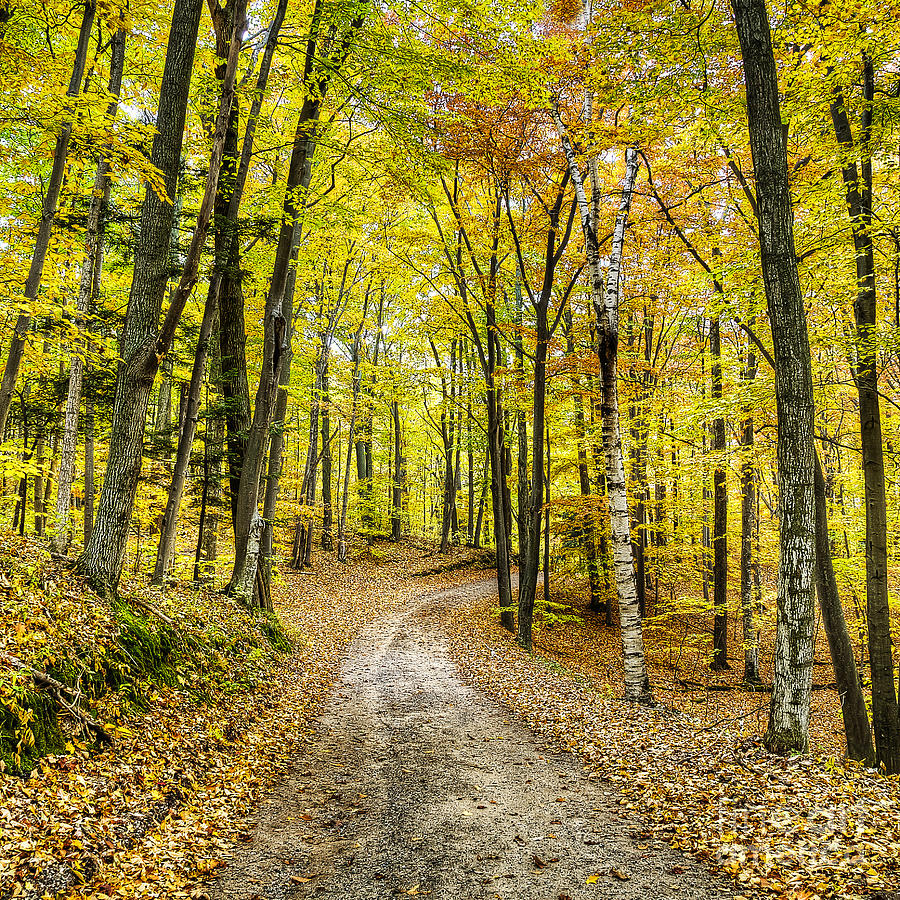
[(788, 729), (606, 309)]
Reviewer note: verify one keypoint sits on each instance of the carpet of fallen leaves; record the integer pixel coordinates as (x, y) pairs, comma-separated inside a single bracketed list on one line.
[(800, 828), (155, 814)]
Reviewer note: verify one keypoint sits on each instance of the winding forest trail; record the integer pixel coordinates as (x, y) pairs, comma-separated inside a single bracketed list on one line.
[(417, 784)]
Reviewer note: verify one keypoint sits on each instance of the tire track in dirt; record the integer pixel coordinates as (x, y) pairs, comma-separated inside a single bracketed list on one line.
[(419, 785)]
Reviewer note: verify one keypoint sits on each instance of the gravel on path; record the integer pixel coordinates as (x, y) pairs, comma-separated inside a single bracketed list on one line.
[(416, 784)]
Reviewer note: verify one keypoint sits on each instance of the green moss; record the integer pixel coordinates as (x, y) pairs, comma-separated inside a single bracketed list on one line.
[(271, 627), (20, 748)]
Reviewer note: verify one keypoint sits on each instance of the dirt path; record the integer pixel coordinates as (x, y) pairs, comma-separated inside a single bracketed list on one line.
[(419, 785)]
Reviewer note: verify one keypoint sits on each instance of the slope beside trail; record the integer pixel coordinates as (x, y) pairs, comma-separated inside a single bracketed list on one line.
[(416, 784)]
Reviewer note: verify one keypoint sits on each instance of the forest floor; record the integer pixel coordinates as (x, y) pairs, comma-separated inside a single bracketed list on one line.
[(406, 746)]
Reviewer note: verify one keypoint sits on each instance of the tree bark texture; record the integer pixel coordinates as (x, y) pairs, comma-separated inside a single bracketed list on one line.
[(749, 525), (327, 542), (788, 729), (720, 506)]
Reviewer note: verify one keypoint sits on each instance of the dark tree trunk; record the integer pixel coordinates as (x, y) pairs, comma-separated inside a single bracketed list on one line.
[(204, 511), (102, 558), (190, 415), (853, 703), (788, 728), (399, 479), (749, 564), (327, 508), (88, 467), (530, 522), (276, 345), (524, 492), (498, 480), (528, 564), (547, 523), (720, 507), (485, 483), (858, 196), (470, 461), (276, 445), (355, 380), (214, 455), (232, 333)]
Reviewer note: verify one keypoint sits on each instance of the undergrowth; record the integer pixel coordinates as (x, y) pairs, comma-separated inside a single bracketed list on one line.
[(111, 653)]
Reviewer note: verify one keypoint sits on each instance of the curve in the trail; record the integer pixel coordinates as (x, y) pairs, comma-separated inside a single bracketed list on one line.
[(419, 785)]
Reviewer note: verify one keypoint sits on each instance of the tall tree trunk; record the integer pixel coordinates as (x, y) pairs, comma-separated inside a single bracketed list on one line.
[(587, 519), (788, 728), (639, 438), (327, 506), (547, 523), (276, 458), (853, 703), (720, 506), (312, 461), (498, 481), (485, 482), (398, 482), (40, 447), (528, 564), (470, 461), (232, 332), (145, 341), (355, 381), (316, 79), (447, 434), (45, 226), (62, 534), (88, 468), (166, 550), (204, 511), (858, 197), (530, 523), (606, 303), (749, 564), (524, 492), (214, 454)]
